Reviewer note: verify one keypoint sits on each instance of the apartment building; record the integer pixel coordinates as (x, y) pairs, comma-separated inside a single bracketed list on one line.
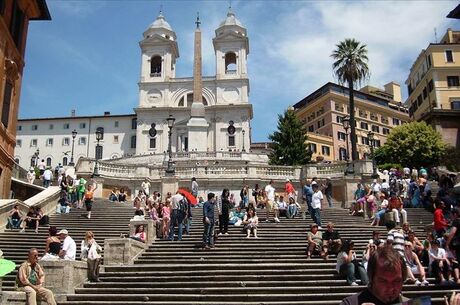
[(14, 22), (376, 110), (54, 139), (433, 87)]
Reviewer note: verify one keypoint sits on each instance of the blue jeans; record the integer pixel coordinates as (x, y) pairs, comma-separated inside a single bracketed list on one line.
[(188, 224), (14, 223), (208, 233), (380, 214), (349, 272), (175, 219), (329, 200), (309, 207), (46, 183), (317, 216), (291, 211)]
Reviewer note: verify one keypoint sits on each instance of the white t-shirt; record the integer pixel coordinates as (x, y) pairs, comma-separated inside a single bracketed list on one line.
[(41, 166), (316, 200), (270, 190), (70, 248), (376, 187), (436, 254), (47, 174), (282, 205), (385, 186)]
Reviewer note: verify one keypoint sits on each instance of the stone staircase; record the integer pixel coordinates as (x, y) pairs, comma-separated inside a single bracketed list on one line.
[(108, 220), (272, 269)]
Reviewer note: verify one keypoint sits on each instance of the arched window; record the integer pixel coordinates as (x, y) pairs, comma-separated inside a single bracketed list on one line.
[(155, 66), (190, 101), (230, 63), (48, 161), (64, 161)]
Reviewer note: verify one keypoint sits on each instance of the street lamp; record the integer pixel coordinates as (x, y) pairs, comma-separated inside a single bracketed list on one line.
[(243, 131), (170, 169), (346, 126), (74, 135), (99, 136), (370, 137)]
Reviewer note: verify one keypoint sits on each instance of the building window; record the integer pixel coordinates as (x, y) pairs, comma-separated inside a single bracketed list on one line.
[(48, 161), (115, 139), (311, 128), (396, 121), (18, 143), (82, 125), (312, 147), (430, 85), (66, 125), (342, 154), (65, 161), (66, 141), (341, 136), (384, 119), (33, 143), (339, 119), (375, 128), (155, 66), (116, 124), (455, 105), (19, 127), (365, 140), (339, 107), (325, 150), (153, 143), (82, 141), (51, 126), (133, 141), (419, 100), (377, 143), (364, 126), (452, 81), (134, 123), (385, 130), (17, 25), (49, 142), (425, 93), (230, 63), (231, 141), (34, 127), (428, 61), (449, 56), (7, 103)]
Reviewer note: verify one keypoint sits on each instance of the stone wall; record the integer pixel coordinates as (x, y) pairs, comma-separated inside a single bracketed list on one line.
[(122, 251)]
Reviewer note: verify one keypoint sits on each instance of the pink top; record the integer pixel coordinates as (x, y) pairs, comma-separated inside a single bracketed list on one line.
[(166, 212), (154, 215)]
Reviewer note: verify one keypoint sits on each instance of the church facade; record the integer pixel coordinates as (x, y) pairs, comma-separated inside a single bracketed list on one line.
[(221, 102)]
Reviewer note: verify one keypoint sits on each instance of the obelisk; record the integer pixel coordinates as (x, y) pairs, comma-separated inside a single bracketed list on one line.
[(197, 125)]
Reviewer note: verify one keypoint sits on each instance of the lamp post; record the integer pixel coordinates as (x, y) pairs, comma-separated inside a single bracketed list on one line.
[(243, 131), (346, 126), (74, 135), (370, 137), (99, 136), (170, 170)]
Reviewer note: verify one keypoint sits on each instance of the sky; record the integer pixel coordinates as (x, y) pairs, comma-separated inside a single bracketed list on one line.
[(87, 57)]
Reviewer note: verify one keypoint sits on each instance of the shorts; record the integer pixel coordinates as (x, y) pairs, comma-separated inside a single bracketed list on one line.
[(414, 269), (89, 205), (270, 206)]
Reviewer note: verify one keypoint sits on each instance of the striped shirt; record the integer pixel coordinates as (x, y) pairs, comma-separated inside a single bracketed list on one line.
[(397, 239)]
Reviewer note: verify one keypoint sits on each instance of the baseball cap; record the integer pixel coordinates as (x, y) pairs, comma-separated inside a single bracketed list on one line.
[(63, 231)]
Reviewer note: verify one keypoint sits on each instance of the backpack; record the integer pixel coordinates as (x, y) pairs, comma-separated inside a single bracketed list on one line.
[(183, 206)]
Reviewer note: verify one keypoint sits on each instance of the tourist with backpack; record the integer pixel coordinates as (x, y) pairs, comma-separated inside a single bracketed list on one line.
[(177, 216)]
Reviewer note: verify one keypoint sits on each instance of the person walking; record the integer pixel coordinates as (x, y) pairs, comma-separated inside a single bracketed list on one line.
[(47, 177), (176, 216), (328, 191), (316, 203), (31, 278), (269, 194), (208, 222)]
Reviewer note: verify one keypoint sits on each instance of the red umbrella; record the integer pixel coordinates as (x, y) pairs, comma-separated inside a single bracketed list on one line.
[(188, 195)]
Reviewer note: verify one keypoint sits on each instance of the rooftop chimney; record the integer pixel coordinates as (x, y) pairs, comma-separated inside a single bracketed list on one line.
[(106, 113), (72, 113)]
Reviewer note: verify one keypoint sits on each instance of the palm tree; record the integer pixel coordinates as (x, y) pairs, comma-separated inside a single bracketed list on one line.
[(350, 67)]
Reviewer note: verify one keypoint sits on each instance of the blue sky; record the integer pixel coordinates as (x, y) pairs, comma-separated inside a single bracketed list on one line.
[(88, 58)]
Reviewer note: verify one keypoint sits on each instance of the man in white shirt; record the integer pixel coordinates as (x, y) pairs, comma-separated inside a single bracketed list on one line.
[(376, 187), (47, 176), (269, 193), (176, 216), (316, 203), (31, 175), (146, 187), (69, 247)]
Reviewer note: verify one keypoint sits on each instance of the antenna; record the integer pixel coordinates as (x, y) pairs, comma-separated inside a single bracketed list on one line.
[(435, 36)]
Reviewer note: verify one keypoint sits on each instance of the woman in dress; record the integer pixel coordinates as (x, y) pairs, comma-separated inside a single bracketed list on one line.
[(166, 212)]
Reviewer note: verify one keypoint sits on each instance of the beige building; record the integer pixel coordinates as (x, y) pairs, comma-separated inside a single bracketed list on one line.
[(14, 21), (377, 111), (434, 87)]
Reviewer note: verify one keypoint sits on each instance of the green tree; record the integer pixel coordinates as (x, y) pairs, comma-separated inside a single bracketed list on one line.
[(289, 141), (350, 67), (413, 144)]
